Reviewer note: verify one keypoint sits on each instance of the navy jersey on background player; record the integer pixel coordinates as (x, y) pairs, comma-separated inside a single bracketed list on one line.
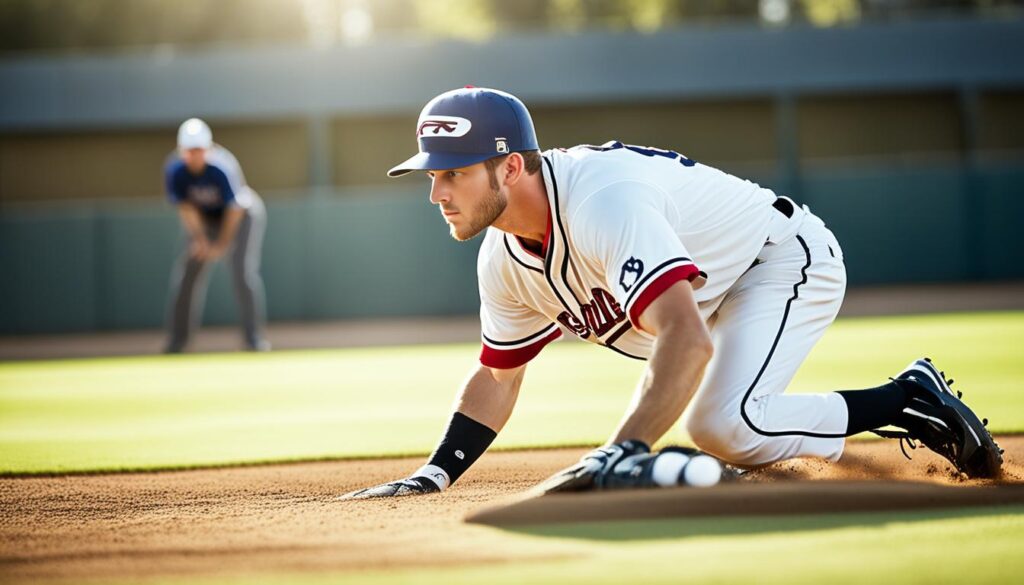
[(219, 184)]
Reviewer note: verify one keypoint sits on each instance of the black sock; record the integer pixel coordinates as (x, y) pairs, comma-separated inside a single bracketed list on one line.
[(873, 408)]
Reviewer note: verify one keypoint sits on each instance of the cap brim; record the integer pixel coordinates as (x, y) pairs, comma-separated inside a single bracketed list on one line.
[(437, 161)]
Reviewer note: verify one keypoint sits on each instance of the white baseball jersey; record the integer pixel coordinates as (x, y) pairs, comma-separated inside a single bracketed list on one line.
[(625, 223)]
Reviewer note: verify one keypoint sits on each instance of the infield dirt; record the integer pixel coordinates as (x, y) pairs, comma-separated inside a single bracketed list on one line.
[(238, 521)]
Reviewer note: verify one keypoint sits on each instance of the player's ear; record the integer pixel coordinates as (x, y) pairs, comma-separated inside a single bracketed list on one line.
[(515, 165)]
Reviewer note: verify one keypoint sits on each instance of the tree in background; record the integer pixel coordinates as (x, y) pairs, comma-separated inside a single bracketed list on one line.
[(75, 25)]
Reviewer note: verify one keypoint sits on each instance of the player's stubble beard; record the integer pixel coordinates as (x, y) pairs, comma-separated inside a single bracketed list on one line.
[(485, 212)]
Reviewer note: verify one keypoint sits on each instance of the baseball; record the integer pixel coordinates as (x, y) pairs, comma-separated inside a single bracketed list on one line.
[(667, 468), (702, 471)]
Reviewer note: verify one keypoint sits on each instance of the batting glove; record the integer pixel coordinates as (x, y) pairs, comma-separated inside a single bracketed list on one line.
[(428, 479), (673, 466), (616, 459), (592, 470)]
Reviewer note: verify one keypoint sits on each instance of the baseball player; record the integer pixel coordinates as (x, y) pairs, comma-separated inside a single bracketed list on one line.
[(221, 216), (719, 284)]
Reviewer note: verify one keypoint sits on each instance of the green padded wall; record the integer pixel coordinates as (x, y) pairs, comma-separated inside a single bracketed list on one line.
[(895, 226), (387, 253)]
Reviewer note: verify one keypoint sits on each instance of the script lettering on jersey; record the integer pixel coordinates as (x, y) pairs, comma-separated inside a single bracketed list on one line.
[(600, 315), (204, 195)]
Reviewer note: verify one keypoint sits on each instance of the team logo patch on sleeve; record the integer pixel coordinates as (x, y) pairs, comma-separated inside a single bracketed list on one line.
[(631, 271)]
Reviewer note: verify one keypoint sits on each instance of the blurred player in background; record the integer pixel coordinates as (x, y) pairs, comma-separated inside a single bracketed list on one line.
[(221, 216)]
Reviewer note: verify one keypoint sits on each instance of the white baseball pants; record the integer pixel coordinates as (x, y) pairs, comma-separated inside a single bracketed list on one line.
[(762, 331)]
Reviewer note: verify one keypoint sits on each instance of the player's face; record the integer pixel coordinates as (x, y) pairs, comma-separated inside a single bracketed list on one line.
[(470, 199), (195, 159)]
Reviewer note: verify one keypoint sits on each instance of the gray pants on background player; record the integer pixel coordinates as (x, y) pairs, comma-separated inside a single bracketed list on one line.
[(188, 283)]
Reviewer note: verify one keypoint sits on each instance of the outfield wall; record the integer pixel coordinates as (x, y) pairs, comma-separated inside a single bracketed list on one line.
[(906, 136), (386, 252)]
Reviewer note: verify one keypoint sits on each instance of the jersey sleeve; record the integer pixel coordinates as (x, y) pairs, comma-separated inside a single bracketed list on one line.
[(511, 333), (625, 228), (225, 185), (173, 182), (227, 173)]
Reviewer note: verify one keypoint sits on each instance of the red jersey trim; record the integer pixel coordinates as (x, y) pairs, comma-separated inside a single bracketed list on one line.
[(506, 359), (658, 286)]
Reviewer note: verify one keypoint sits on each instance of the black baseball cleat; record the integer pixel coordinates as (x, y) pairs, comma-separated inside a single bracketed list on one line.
[(935, 416)]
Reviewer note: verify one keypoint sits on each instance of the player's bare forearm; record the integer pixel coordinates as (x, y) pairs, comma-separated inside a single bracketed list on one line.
[(489, 395), (669, 383), (190, 220), (681, 352)]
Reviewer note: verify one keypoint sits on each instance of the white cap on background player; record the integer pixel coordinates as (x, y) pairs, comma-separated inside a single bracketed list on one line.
[(194, 133)]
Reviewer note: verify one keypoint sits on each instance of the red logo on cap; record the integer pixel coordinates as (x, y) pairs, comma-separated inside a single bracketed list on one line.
[(437, 126)]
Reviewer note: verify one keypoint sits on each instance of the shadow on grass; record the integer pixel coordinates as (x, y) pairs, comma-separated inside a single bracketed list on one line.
[(676, 528)]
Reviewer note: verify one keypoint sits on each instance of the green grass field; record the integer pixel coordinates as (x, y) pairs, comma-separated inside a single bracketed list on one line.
[(186, 411), (960, 546)]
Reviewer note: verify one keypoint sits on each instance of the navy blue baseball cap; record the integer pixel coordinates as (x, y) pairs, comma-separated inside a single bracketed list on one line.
[(465, 126)]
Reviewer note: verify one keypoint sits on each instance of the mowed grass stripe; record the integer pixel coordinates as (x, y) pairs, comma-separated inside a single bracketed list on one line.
[(186, 411)]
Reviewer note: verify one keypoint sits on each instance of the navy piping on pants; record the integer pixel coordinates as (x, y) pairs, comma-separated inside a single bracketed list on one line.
[(764, 366)]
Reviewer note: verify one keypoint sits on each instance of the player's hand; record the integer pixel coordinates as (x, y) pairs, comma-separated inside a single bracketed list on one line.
[(630, 465), (673, 466), (615, 456), (199, 248), (593, 469), (412, 486), (216, 251)]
